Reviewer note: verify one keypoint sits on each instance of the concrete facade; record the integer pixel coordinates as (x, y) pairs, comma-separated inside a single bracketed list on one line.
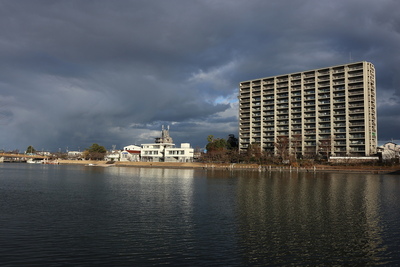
[(329, 111)]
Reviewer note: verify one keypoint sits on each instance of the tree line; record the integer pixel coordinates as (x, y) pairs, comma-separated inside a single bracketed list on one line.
[(94, 152), (284, 150)]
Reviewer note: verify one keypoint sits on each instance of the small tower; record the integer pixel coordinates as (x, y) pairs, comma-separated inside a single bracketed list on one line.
[(165, 138)]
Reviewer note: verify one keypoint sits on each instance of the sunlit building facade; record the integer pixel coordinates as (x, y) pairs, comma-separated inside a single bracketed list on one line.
[(329, 111)]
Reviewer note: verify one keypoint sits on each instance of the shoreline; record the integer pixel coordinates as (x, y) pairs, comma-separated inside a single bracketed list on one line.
[(237, 166)]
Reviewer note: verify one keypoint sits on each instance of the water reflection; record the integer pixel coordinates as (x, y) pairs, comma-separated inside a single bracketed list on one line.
[(151, 172), (124, 216), (307, 219)]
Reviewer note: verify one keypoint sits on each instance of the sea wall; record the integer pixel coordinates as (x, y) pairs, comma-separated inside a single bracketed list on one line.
[(236, 166)]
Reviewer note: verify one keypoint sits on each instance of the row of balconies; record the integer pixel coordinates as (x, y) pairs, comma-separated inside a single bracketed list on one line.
[(309, 100), (269, 116), (308, 79), (355, 106), (308, 141)]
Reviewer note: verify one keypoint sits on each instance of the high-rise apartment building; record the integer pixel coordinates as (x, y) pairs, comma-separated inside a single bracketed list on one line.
[(329, 111)]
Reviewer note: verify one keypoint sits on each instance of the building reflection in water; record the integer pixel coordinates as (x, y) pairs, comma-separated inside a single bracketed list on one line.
[(157, 195), (319, 218)]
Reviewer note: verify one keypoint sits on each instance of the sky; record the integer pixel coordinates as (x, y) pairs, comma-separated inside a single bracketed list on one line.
[(74, 73)]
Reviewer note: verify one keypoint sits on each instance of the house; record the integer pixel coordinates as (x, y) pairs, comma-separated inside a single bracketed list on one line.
[(182, 154), (74, 154), (390, 151), (113, 155), (131, 153)]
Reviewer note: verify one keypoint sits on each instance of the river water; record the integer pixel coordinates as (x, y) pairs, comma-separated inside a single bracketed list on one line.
[(124, 216)]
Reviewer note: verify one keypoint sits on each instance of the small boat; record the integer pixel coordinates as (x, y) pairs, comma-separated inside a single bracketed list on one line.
[(34, 161)]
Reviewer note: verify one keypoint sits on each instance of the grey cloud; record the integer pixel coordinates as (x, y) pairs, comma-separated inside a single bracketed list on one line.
[(77, 72)]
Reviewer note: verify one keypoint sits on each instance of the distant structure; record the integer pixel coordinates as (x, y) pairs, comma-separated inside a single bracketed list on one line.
[(329, 111), (390, 152), (164, 150)]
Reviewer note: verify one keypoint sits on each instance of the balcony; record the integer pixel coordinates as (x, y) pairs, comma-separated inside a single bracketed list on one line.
[(282, 95), (356, 129), (339, 106), (309, 75), (355, 74), (339, 88), (354, 99), (352, 80), (357, 142), (323, 102), (324, 108), (357, 117), (339, 95), (358, 92), (357, 124), (340, 143), (283, 117), (325, 125), (324, 114), (355, 67), (270, 81), (339, 101), (359, 86), (338, 70), (354, 111), (309, 104), (322, 96)]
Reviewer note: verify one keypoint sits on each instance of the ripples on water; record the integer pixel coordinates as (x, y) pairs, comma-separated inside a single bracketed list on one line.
[(94, 216)]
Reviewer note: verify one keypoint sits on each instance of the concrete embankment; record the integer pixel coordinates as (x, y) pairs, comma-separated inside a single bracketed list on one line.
[(227, 166)]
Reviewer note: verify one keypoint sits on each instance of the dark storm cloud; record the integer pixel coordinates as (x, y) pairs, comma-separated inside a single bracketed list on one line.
[(113, 72)]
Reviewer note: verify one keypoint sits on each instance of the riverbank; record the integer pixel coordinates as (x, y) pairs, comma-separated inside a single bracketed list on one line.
[(235, 166)]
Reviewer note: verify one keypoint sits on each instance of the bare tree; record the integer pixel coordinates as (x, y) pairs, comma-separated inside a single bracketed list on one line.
[(282, 146), (296, 145), (325, 146)]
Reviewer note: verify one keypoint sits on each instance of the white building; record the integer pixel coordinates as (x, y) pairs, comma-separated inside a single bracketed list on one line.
[(167, 153), (114, 155), (163, 150), (131, 153), (74, 154), (390, 151), (154, 152)]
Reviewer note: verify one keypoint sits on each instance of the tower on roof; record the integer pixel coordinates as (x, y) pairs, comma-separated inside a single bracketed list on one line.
[(165, 138)]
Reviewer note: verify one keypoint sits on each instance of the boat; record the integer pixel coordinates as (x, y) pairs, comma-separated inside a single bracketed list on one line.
[(34, 161)]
